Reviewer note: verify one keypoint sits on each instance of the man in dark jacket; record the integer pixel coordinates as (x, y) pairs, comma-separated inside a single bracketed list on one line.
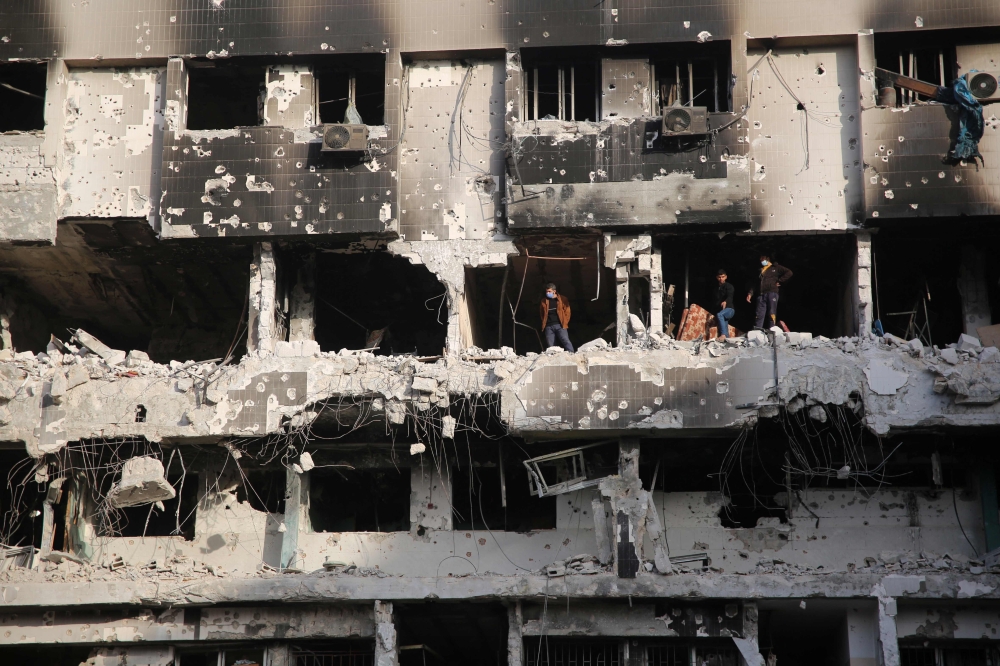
[(724, 310), (771, 277), (555, 312)]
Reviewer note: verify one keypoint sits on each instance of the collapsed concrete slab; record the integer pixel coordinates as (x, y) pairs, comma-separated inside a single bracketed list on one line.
[(142, 482)]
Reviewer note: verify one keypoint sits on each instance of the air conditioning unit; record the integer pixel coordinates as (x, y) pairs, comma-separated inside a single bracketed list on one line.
[(345, 138), (685, 120), (983, 85)]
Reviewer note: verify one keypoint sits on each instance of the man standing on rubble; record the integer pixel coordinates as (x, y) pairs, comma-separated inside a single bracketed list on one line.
[(724, 310), (555, 312), (771, 277)]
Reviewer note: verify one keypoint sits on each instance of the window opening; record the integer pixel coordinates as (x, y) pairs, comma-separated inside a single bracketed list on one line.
[(224, 95), (334, 653), (567, 471), (230, 656), (479, 501), (22, 97), (359, 500), (151, 520), (357, 81), (263, 489), (552, 651)]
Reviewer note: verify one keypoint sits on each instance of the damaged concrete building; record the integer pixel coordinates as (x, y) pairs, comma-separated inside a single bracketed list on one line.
[(254, 254)]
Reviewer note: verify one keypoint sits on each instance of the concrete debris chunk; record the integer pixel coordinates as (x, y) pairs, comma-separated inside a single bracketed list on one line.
[(111, 356), (756, 338), (950, 355), (58, 388), (135, 358), (306, 461), (7, 390), (142, 482), (593, 345), (968, 343), (417, 448), (77, 376), (638, 328), (915, 346), (989, 355), (425, 384), (448, 427)]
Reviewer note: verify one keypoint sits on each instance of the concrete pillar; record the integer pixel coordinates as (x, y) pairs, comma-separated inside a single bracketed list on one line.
[(749, 643), (974, 290), (262, 330), (515, 640), (302, 318), (863, 296), (628, 536), (862, 637), (296, 488), (621, 305), (430, 497), (888, 641), (656, 292), (386, 649), (279, 654)]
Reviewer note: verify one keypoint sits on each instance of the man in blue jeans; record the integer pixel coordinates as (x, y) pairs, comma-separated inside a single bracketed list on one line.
[(724, 303), (555, 312)]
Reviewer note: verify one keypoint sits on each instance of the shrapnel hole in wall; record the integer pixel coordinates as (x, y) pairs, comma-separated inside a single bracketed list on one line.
[(22, 96)]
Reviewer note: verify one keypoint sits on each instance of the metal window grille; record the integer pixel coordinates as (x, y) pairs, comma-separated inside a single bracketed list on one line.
[(563, 652), (690, 655), (333, 658)]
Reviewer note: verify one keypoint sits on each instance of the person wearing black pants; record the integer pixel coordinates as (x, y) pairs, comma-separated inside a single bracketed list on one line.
[(555, 313), (771, 277)]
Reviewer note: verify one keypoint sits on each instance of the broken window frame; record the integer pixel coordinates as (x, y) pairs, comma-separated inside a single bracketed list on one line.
[(566, 98), (536, 480)]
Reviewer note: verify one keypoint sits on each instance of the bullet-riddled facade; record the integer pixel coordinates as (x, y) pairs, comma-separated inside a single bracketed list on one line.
[(278, 383)]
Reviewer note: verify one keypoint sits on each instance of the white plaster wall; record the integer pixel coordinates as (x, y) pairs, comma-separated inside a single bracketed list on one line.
[(27, 189), (110, 161), (785, 195), (440, 160)]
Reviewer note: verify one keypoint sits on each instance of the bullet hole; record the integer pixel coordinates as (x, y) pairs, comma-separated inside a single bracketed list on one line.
[(140, 413), (852, 143), (820, 70)]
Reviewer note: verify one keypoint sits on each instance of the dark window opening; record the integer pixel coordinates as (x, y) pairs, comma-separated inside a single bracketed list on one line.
[(50, 655), (140, 413), (817, 299), (553, 651), (478, 500), (493, 294), (921, 278), (150, 520), (566, 83), (816, 634), (452, 634), (678, 653), (229, 656), (379, 301), (223, 95), (948, 653), (333, 653), (359, 79), (263, 489), (933, 56), (359, 500), (20, 501), (116, 281), (563, 91), (22, 96)]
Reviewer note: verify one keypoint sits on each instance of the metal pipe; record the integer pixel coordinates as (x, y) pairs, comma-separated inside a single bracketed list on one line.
[(912, 95), (941, 66), (598, 272), (687, 277), (690, 83), (715, 83), (654, 94), (572, 93), (534, 114), (561, 86), (903, 95), (677, 93)]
